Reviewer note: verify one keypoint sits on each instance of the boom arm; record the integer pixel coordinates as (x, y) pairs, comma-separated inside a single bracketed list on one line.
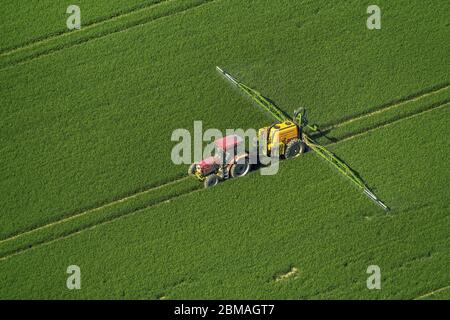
[(343, 168), (257, 97)]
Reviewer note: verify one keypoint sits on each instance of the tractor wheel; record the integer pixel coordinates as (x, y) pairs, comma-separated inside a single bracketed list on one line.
[(294, 148), (240, 169), (191, 170), (211, 181)]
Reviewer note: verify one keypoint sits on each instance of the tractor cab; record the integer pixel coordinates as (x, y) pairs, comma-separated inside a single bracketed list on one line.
[(227, 148)]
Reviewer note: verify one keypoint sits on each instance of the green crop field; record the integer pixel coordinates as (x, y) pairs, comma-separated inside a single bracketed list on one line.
[(86, 118)]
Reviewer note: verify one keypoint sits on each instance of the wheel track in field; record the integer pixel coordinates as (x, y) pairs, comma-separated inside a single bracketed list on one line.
[(91, 210), (135, 195), (101, 34), (389, 106), (93, 226), (441, 105), (64, 32), (429, 294), (358, 254)]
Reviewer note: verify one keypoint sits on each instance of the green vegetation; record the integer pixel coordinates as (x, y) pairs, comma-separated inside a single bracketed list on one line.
[(80, 126), (97, 30), (93, 217), (37, 20), (200, 248), (85, 124), (387, 114)]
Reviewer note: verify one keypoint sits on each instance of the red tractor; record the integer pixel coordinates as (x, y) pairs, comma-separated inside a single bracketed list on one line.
[(227, 162)]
